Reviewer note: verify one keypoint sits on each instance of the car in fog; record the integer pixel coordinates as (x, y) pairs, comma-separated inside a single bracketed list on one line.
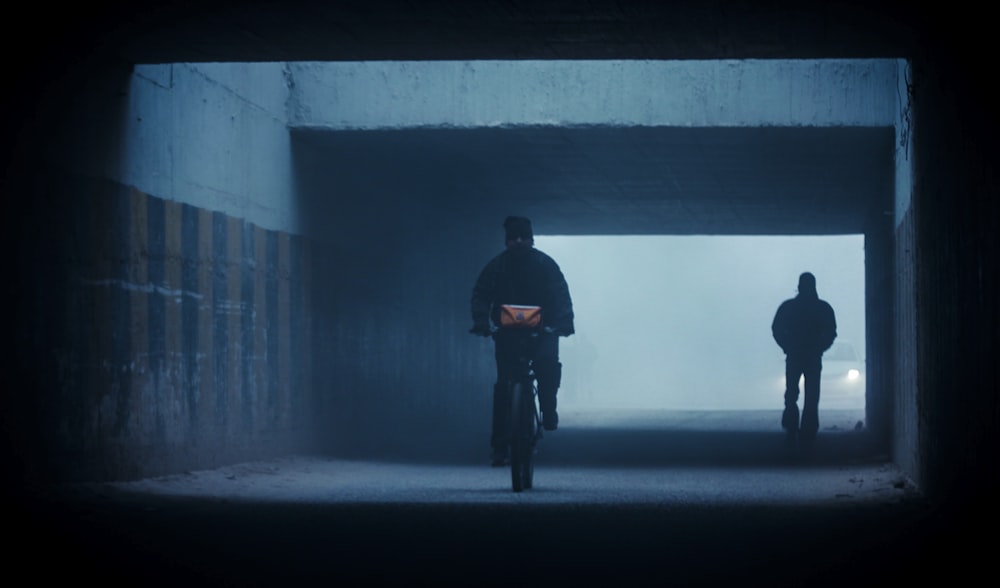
[(842, 381)]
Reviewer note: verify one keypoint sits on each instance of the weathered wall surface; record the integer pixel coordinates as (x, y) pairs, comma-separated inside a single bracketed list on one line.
[(903, 398), (162, 319), (213, 135), (955, 226), (365, 95), (171, 337), (394, 265)]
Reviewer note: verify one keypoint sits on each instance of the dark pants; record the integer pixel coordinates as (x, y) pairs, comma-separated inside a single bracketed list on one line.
[(543, 351), (808, 366)]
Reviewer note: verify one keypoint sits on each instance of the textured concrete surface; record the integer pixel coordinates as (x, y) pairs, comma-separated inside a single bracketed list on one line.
[(765, 519), (723, 93), (323, 480), (318, 520)]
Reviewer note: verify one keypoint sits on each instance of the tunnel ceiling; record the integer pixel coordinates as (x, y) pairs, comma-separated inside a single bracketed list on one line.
[(613, 180), (164, 31), (774, 181)]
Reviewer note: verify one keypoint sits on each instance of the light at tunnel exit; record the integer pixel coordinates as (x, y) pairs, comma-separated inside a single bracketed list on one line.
[(684, 322)]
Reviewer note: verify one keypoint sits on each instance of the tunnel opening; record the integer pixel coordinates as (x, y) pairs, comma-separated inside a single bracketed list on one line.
[(755, 43), (670, 324), (334, 249), (438, 197)]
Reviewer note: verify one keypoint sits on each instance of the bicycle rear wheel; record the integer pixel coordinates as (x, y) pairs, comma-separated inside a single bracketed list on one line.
[(521, 438)]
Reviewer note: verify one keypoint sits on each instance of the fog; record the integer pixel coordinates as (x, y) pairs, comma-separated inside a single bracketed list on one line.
[(684, 322)]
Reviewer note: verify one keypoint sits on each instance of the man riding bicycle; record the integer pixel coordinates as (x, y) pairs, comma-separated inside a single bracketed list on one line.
[(523, 275)]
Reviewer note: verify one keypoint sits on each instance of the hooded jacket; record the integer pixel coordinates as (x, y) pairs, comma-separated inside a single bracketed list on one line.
[(804, 325), (523, 276)]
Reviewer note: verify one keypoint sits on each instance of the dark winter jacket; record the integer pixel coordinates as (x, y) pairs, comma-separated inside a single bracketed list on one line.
[(523, 276), (804, 325)]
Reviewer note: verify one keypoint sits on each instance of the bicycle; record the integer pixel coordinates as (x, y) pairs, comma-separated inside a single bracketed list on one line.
[(524, 421)]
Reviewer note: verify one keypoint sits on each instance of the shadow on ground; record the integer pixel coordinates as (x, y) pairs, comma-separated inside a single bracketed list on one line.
[(508, 539)]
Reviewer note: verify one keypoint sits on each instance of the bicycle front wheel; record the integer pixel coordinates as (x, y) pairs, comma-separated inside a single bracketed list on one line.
[(521, 446)]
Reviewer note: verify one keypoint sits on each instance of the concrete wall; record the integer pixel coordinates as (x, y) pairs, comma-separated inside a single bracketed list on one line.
[(956, 221), (162, 320), (367, 95), (213, 135), (394, 267), (903, 398)]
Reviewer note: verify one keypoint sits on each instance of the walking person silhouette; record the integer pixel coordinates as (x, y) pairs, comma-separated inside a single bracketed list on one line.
[(804, 327)]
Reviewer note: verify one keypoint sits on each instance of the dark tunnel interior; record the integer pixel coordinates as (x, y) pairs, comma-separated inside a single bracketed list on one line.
[(370, 303), (431, 192)]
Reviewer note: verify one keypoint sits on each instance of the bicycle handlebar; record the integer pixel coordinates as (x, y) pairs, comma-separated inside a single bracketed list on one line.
[(494, 330), (534, 331)]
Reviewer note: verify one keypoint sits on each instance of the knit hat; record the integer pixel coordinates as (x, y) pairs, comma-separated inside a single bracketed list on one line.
[(517, 226), (807, 283)]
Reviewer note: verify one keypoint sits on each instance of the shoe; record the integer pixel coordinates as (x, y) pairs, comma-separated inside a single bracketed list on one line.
[(550, 420), (790, 419)]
